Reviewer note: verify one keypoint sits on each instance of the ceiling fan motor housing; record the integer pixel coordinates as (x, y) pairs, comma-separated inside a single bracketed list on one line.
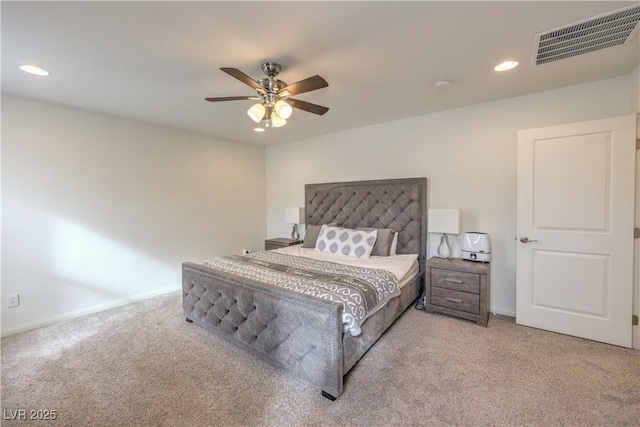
[(272, 85), (271, 69)]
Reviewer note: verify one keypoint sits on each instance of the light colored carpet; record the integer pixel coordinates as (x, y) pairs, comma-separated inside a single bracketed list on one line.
[(143, 365)]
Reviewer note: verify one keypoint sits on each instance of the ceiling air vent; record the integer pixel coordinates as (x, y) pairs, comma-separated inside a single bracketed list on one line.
[(602, 32)]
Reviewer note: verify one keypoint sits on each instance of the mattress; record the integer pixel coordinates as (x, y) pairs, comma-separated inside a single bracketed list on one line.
[(404, 267)]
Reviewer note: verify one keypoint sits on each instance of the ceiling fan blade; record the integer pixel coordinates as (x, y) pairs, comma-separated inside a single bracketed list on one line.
[(306, 85), (232, 98), (307, 106), (234, 72)]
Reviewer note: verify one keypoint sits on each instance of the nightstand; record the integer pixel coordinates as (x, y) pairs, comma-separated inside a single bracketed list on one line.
[(458, 288), (278, 243)]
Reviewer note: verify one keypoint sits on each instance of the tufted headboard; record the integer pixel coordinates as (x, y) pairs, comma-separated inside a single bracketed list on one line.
[(399, 204)]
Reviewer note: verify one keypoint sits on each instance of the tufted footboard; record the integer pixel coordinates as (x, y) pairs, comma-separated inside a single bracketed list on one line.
[(298, 333)]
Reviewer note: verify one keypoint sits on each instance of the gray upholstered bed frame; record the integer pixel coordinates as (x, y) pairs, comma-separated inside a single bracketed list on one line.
[(294, 331)]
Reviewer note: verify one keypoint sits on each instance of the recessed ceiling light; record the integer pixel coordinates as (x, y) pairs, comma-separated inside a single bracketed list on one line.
[(441, 84), (506, 65), (32, 69), (258, 129)]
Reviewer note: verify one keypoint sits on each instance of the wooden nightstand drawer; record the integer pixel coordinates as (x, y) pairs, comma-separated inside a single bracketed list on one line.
[(456, 300), (456, 280)]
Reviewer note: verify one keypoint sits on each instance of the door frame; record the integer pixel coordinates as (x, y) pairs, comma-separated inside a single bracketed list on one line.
[(635, 339)]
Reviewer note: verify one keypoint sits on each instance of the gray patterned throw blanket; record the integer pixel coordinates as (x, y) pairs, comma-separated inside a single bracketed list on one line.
[(362, 291)]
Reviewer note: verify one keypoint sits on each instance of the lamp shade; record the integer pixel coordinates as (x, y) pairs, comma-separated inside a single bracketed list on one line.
[(295, 215), (283, 109), (256, 112), (445, 221), (277, 121)]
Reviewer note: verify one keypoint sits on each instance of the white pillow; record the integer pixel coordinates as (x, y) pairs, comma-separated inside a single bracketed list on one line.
[(346, 242)]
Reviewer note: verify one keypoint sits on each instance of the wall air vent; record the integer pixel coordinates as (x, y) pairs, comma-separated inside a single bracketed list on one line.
[(601, 32)]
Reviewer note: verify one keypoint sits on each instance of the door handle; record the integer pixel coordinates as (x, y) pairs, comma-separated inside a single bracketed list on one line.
[(525, 239)]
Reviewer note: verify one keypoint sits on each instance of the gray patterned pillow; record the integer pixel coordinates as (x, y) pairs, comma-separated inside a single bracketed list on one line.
[(346, 242)]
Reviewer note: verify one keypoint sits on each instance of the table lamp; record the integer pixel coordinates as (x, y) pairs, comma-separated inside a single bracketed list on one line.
[(445, 221), (295, 216)]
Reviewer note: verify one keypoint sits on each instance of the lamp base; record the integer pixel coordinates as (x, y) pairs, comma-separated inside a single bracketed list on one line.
[(295, 233), (446, 251)]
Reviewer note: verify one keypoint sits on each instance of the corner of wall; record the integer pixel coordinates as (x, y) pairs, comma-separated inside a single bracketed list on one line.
[(635, 89)]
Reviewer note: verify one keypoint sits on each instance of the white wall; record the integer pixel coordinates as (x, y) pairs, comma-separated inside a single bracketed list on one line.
[(99, 210), (468, 154)]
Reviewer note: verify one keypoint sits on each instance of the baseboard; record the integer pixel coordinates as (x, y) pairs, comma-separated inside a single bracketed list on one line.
[(89, 310), (503, 311)]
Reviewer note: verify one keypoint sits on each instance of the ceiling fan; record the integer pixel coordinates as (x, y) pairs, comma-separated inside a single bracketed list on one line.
[(275, 105)]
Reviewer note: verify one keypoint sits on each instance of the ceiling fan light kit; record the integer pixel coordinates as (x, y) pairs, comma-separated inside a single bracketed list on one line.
[(256, 112), (276, 121), (283, 109), (274, 105)]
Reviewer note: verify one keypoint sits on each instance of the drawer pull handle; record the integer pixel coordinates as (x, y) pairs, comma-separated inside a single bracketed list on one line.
[(453, 299), (453, 281)]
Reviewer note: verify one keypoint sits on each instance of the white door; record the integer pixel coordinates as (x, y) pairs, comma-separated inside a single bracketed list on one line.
[(575, 222)]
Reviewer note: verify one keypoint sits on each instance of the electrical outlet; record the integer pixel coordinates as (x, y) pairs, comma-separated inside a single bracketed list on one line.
[(245, 251), (13, 300)]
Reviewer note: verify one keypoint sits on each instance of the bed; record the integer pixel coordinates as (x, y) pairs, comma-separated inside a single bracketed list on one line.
[(302, 333)]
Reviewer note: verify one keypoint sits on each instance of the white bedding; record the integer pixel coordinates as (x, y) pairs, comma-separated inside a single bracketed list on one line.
[(404, 267)]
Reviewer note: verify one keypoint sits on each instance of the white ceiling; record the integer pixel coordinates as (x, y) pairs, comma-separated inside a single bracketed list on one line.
[(156, 61)]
